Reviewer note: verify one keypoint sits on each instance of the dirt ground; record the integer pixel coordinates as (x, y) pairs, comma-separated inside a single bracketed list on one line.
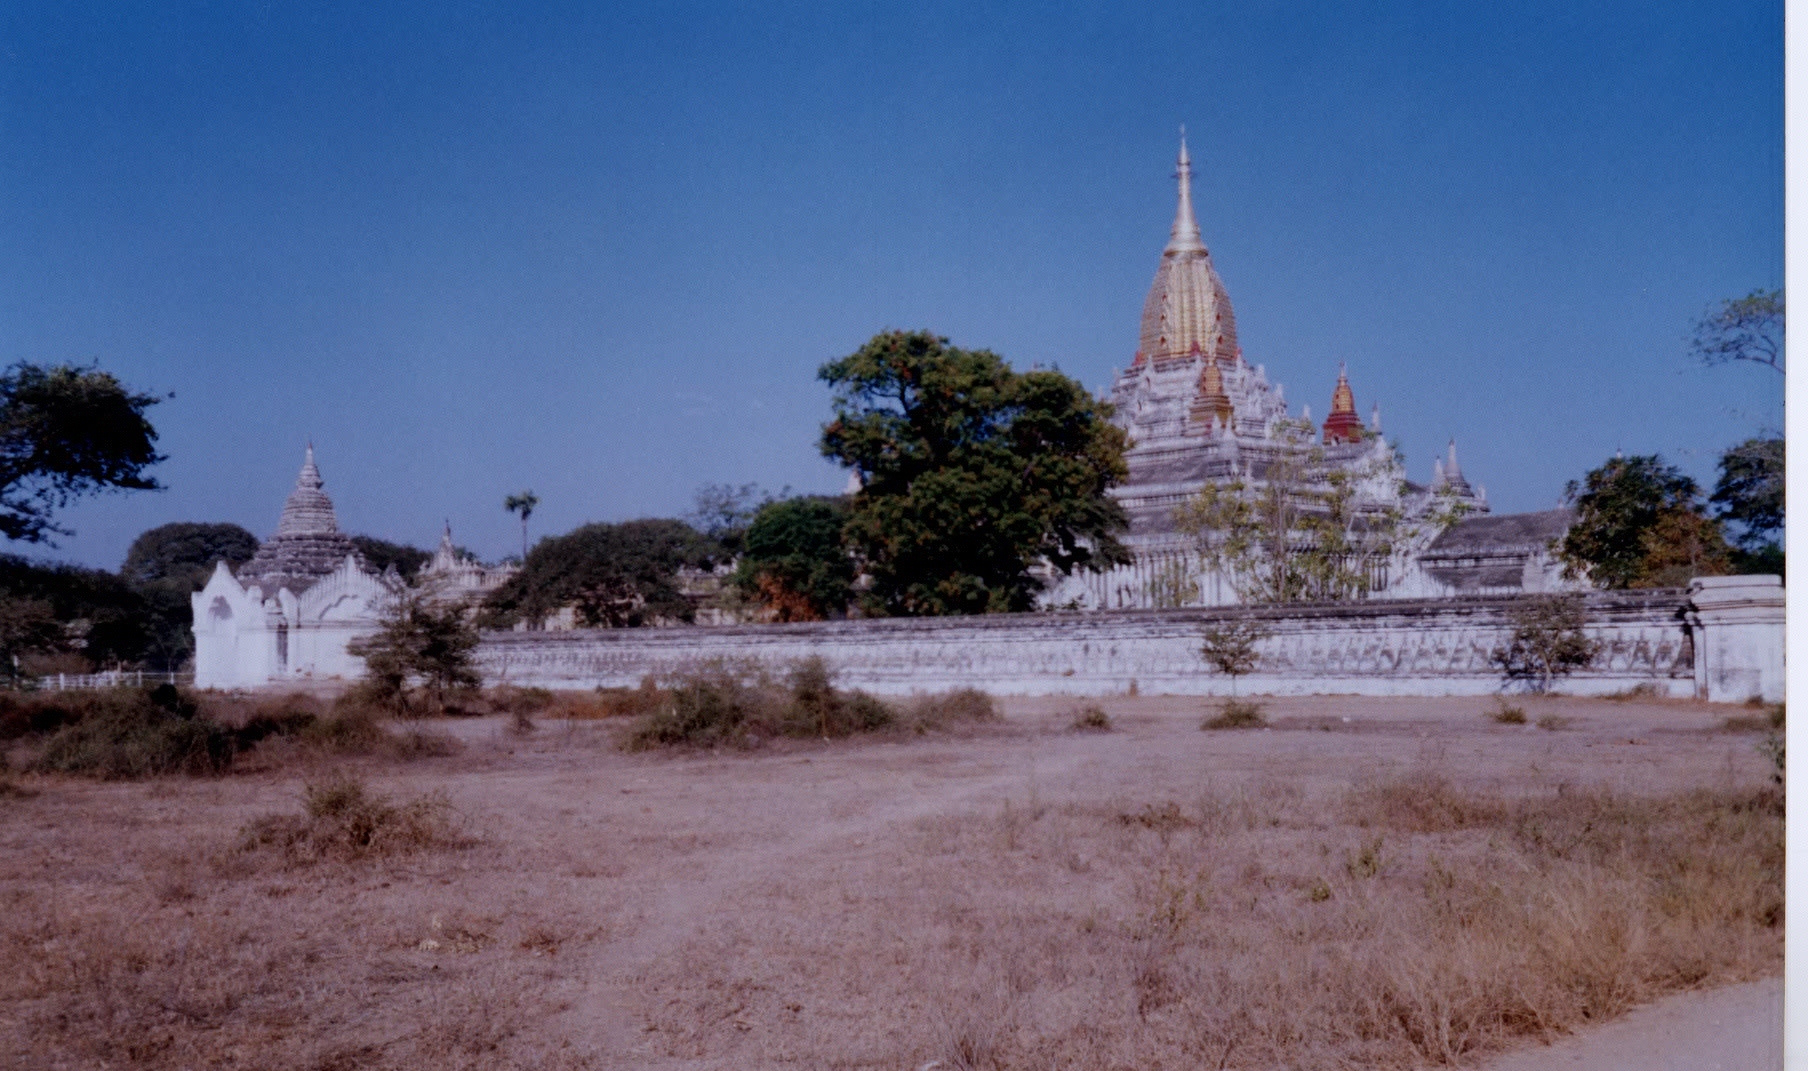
[(802, 905)]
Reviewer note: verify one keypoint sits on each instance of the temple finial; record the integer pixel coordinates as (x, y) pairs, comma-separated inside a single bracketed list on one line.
[(310, 474), (1184, 237)]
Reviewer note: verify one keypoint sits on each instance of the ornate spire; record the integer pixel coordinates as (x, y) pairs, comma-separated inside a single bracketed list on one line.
[(1184, 237), (308, 511), (1187, 306), (307, 545), (1343, 425), (1453, 476)]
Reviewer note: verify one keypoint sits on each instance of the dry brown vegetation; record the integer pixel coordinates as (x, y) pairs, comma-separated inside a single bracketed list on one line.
[(1371, 883)]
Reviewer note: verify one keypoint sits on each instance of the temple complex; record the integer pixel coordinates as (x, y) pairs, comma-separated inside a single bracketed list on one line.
[(454, 576), (290, 611), (1198, 414)]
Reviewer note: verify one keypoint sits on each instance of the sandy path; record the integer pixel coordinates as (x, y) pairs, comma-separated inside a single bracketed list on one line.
[(836, 813), (1738, 1028)]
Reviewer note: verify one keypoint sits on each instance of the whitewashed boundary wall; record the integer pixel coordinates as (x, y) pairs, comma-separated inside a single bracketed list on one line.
[(1721, 640)]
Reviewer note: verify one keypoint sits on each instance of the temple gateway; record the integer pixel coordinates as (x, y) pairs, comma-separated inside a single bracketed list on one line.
[(1198, 415)]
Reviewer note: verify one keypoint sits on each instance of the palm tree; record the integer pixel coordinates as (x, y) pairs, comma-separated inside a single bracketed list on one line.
[(523, 504)]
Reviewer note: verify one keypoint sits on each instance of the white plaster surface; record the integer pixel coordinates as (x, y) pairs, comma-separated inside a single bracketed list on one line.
[(1437, 647)]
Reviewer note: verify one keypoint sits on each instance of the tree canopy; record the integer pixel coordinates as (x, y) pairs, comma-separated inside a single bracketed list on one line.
[(1639, 524), (185, 553), (52, 608), (971, 475), (615, 575), (1742, 329), (794, 563), (65, 432), (1750, 490), (381, 554)]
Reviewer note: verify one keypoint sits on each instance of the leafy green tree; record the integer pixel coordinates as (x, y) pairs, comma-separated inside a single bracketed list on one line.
[(1549, 640), (614, 575), (1749, 495), (971, 475), (381, 554), (1744, 329), (166, 565), (794, 563), (185, 553), (522, 504), (1639, 524), (65, 432), (419, 642)]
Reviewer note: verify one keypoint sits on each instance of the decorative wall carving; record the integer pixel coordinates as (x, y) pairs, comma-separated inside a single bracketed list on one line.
[(1436, 647)]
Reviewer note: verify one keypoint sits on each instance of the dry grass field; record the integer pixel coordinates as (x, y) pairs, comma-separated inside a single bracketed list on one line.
[(1364, 883)]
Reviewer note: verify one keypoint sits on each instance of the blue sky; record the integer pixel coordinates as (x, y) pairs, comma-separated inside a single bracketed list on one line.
[(600, 251)]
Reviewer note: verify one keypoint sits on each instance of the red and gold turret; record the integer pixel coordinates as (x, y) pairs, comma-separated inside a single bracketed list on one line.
[(1343, 425), (1210, 401)]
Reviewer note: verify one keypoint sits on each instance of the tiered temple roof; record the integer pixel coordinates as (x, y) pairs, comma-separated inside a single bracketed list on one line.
[(307, 545), (1196, 412)]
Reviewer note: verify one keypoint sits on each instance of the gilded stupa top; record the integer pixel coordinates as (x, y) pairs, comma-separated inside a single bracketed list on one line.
[(1187, 310)]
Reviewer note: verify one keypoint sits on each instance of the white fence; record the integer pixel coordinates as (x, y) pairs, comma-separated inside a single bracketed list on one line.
[(118, 678)]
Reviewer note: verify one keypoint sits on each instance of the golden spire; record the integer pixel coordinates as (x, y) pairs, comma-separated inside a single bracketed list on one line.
[(1186, 305), (1184, 237)]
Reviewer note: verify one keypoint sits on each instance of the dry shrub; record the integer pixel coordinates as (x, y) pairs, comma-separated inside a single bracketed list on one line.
[(344, 732), (1505, 713), (604, 703), (1090, 719), (1163, 818), (28, 713), (722, 704), (354, 732), (616, 702), (1423, 803), (511, 700), (342, 819), (1553, 722), (1770, 721), (123, 734), (1237, 714), (944, 709)]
